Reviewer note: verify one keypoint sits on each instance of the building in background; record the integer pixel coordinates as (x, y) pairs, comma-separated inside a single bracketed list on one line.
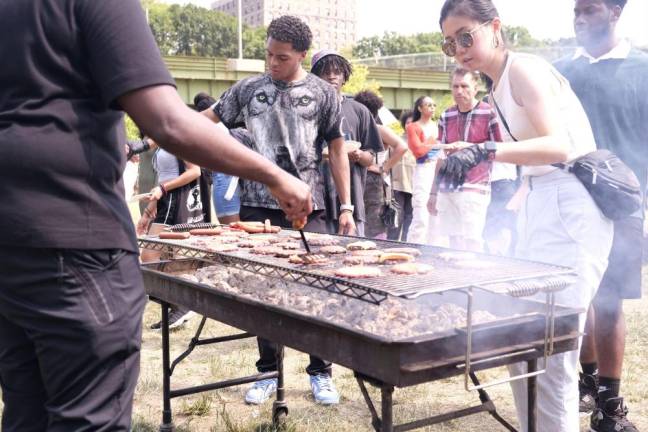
[(333, 22)]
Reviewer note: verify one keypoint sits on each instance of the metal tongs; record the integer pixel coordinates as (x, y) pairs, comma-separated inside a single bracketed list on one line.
[(309, 258), (299, 226)]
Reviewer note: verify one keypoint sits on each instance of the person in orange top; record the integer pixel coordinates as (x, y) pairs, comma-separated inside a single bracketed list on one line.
[(421, 139)]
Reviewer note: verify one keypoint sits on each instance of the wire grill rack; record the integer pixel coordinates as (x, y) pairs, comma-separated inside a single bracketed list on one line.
[(503, 275)]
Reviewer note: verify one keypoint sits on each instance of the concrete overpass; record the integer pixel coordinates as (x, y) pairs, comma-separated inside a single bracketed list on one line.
[(399, 87)]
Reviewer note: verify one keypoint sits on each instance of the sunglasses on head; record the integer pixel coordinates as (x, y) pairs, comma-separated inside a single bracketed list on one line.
[(464, 40)]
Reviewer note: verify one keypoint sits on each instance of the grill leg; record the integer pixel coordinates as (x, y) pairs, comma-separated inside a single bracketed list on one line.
[(375, 420), (487, 403), (387, 392), (167, 421), (532, 366), (280, 407)]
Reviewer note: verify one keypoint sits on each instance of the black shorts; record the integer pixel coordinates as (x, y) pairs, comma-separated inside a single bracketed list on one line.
[(167, 208), (622, 279)]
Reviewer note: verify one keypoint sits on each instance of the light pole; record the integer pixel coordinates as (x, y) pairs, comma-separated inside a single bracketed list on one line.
[(240, 29)]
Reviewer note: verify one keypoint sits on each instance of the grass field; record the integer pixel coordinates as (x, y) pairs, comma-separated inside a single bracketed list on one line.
[(224, 410)]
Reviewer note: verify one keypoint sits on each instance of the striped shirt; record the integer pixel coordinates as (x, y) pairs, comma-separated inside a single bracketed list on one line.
[(475, 126)]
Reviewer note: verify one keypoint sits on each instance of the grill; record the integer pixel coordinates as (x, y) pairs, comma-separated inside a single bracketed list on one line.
[(506, 275), (525, 330)]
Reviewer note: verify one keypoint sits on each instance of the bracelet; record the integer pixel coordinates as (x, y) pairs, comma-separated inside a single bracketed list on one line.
[(163, 189), (347, 207), (346, 211)]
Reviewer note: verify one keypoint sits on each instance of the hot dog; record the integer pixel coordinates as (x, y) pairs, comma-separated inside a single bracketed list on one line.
[(206, 231), (170, 235)]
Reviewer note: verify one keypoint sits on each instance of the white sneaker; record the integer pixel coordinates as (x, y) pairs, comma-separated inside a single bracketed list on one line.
[(324, 390), (261, 391)]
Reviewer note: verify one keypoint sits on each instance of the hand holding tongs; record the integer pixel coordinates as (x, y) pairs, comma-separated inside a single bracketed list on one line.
[(299, 224)]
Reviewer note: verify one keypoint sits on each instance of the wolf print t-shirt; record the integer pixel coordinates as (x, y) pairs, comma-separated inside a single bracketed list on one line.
[(287, 123)]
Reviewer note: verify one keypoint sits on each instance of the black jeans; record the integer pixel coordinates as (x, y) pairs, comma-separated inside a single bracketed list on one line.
[(404, 200), (267, 349), (70, 335)]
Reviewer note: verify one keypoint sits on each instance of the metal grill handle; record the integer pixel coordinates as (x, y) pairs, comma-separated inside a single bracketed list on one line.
[(530, 287), (548, 340), (188, 227)]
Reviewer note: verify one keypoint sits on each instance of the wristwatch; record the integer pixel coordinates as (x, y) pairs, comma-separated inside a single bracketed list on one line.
[(347, 207), (491, 149)]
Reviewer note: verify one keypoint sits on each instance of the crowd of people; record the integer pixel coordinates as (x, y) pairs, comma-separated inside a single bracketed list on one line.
[(289, 145)]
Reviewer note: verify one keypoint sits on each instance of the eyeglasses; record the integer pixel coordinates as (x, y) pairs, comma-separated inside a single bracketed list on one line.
[(465, 40)]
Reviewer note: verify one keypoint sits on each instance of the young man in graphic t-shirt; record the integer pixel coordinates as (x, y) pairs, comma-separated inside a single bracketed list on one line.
[(289, 114)]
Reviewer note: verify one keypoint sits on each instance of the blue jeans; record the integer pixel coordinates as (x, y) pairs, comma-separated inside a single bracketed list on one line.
[(221, 205)]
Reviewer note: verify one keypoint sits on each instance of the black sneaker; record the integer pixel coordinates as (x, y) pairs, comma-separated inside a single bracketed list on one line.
[(177, 317), (611, 417), (588, 389)]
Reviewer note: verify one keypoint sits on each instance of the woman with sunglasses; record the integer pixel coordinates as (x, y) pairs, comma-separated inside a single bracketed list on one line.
[(543, 123), (421, 140)]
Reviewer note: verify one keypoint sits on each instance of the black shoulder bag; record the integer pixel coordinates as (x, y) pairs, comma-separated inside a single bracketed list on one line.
[(389, 211), (612, 184)]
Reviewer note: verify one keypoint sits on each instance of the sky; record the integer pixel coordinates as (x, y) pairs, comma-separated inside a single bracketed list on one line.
[(545, 19)]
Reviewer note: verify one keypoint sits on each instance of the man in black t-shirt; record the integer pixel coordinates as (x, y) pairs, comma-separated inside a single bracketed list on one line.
[(357, 125), (71, 293)]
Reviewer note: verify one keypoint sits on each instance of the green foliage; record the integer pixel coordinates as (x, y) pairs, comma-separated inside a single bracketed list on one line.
[(132, 131), (359, 81), (195, 31), (391, 43), (519, 37), (396, 128)]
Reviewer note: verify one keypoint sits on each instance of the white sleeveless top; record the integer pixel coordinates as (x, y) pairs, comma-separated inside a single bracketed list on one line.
[(575, 126)]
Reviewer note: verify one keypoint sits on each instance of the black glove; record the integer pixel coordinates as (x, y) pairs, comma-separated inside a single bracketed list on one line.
[(454, 169), (137, 147)]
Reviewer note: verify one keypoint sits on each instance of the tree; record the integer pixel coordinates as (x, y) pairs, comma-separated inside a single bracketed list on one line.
[(519, 37), (359, 81), (194, 31), (391, 43)]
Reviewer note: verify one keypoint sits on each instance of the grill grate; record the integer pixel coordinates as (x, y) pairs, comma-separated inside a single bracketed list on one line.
[(512, 276)]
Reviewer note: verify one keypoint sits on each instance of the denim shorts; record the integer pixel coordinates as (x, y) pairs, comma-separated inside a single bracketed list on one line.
[(221, 205)]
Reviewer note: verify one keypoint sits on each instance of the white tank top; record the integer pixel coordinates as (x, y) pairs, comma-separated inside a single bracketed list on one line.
[(575, 126)]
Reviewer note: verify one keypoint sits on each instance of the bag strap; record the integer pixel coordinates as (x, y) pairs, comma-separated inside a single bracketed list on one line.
[(501, 116)]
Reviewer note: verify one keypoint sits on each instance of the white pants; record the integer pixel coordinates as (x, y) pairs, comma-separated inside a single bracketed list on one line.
[(559, 223), (462, 214), (421, 229)]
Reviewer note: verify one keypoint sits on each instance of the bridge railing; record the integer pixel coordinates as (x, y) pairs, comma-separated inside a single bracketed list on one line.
[(440, 62)]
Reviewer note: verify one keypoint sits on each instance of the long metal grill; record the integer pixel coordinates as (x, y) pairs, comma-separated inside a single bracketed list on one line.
[(506, 275)]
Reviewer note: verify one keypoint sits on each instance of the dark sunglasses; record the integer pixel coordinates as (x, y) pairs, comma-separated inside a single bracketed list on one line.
[(465, 40)]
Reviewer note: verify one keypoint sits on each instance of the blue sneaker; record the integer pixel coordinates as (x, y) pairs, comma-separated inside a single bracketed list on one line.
[(324, 390), (261, 391)]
